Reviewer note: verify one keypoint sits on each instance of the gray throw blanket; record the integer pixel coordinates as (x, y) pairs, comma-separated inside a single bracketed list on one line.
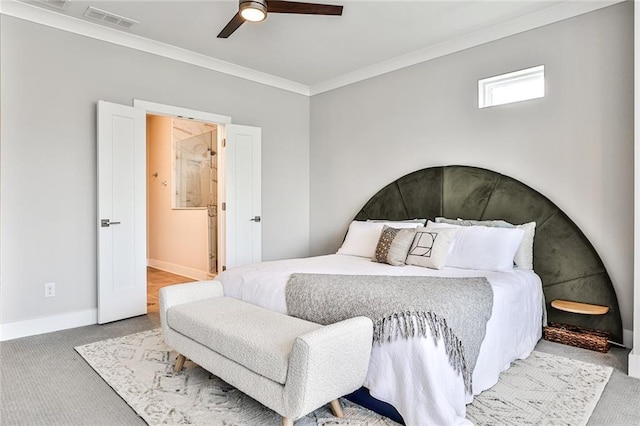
[(454, 309)]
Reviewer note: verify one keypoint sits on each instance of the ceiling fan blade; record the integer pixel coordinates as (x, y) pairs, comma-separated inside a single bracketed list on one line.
[(233, 25), (302, 8)]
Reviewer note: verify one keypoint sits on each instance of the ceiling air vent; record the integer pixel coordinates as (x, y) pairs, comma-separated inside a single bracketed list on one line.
[(58, 4), (109, 18)]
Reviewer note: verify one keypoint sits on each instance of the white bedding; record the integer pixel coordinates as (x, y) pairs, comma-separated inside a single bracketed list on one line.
[(414, 375)]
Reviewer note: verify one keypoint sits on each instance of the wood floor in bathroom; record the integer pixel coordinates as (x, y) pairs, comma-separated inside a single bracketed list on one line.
[(156, 279)]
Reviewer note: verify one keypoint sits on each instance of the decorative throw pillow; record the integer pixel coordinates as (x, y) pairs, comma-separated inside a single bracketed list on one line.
[(393, 245), (430, 248), (362, 237)]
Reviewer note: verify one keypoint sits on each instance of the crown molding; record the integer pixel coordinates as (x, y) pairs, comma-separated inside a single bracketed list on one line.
[(53, 19), (528, 22), (547, 16)]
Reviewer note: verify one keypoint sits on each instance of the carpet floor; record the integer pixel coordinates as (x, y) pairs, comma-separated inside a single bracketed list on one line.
[(542, 389), (44, 381)]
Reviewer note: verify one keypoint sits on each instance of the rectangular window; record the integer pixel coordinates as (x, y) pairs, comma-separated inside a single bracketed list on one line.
[(511, 87)]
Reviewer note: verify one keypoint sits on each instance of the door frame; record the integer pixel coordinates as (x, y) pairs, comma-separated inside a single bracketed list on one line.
[(221, 120)]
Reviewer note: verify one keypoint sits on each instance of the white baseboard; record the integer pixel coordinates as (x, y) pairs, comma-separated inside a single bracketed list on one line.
[(179, 270), (627, 338), (634, 363), (14, 330)]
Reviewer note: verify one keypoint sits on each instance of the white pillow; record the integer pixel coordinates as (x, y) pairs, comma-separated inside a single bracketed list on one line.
[(362, 237), (482, 247), (392, 223), (431, 247), (524, 255)]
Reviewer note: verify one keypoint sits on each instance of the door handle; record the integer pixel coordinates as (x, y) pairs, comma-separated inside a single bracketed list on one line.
[(105, 223), (256, 219)]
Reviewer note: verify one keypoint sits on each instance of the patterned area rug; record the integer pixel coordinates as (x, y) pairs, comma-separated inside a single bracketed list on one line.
[(543, 389)]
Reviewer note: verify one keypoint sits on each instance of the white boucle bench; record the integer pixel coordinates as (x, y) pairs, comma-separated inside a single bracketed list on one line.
[(290, 365)]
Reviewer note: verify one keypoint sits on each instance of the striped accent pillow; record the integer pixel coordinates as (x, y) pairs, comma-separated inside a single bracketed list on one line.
[(393, 245)]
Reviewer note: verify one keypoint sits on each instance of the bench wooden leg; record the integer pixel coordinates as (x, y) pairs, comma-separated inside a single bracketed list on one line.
[(179, 363), (336, 408), (287, 421)]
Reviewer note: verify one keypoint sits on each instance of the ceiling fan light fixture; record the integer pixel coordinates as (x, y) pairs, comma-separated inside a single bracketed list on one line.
[(254, 11)]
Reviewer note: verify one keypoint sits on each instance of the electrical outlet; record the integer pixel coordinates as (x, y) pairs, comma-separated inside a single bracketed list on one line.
[(49, 289)]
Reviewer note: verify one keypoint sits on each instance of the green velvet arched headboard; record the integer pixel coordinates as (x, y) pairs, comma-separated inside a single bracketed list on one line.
[(564, 258)]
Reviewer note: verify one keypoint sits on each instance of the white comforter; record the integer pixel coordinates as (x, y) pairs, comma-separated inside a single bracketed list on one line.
[(414, 375)]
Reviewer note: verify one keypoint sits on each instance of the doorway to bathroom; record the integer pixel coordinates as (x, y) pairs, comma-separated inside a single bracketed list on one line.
[(182, 202), (124, 180)]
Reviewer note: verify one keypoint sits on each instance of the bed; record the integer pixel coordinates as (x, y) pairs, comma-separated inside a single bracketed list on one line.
[(415, 376)]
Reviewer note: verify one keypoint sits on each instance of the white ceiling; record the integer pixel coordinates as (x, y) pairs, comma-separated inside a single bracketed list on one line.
[(314, 50)]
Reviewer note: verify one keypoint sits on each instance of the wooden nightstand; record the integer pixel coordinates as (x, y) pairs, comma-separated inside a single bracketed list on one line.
[(579, 308), (577, 336)]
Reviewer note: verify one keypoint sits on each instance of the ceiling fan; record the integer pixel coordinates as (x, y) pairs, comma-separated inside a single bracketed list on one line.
[(256, 10)]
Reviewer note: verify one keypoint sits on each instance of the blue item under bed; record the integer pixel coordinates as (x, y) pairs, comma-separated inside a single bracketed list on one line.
[(363, 397)]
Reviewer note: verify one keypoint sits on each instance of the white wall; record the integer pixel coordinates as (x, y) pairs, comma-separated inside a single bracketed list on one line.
[(50, 83), (575, 145), (634, 356)]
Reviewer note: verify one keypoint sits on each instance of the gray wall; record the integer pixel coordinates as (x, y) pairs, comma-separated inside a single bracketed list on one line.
[(575, 145), (50, 83)]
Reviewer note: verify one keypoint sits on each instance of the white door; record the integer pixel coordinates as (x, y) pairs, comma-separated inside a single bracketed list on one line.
[(243, 209), (122, 269)]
